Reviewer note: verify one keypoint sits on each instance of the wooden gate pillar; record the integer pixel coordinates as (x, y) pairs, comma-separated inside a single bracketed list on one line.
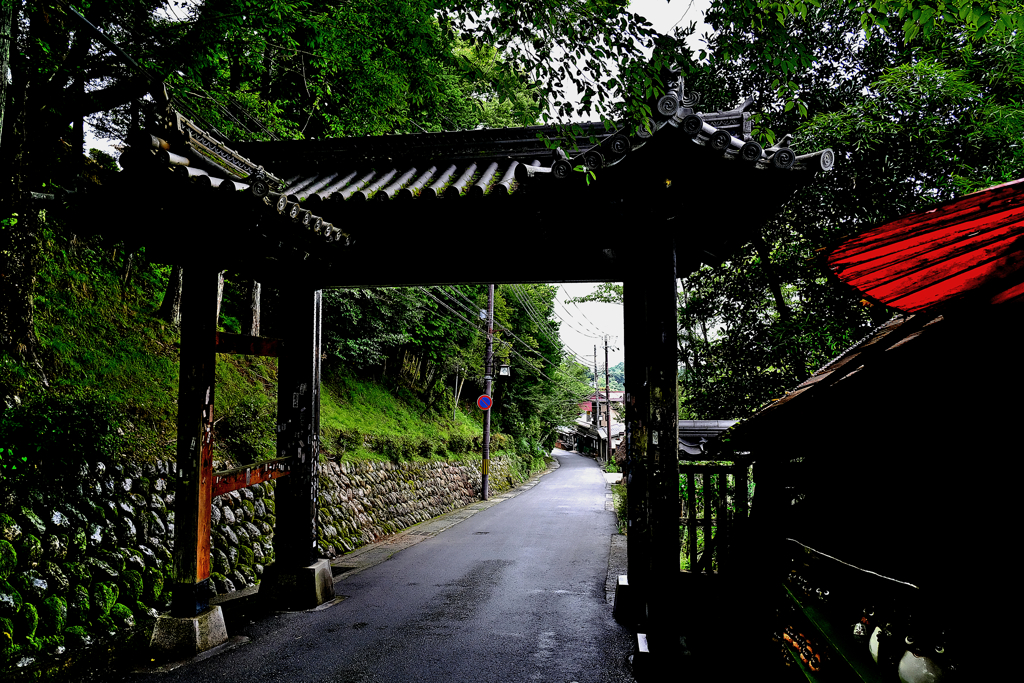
[(638, 556), (654, 419), (194, 495), (299, 577), (193, 625)]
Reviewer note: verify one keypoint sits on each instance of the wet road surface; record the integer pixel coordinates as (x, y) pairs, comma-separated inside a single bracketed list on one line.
[(514, 593)]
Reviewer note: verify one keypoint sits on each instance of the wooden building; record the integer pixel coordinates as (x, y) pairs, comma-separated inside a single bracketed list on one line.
[(385, 211), (874, 506)]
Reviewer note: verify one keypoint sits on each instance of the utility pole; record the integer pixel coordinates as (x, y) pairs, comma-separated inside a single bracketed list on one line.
[(488, 369), (595, 404), (607, 400)]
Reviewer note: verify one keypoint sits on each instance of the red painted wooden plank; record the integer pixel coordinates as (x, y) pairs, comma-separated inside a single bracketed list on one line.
[(929, 257), (948, 268), (921, 248), (241, 477)]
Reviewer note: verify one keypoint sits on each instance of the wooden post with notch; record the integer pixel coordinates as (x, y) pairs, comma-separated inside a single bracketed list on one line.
[(637, 538), (657, 280), (194, 495), (300, 578)]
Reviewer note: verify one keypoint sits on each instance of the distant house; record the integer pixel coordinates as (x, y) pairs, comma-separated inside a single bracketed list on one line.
[(590, 433)]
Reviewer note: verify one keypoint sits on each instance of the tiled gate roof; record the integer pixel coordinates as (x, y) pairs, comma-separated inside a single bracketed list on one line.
[(340, 208)]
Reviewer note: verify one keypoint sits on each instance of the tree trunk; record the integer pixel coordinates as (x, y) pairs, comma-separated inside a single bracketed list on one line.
[(266, 78), (170, 308), (251, 324), (6, 19), (794, 352), (126, 271), (19, 240)]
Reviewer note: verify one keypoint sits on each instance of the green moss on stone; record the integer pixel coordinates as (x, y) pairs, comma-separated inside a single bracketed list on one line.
[(57, 579), (6, 634), (8, 558), (245, 555), (77, 542), (10, 599), (77, 637), (122, 616), (114, 558), (30, 551), (77, 574), (53, 616), (27, 621), (134, 559), (104, 626), (153, 585), (104, 595), (78, 605), (33, 521), (10, 530), (269, 504), (131, 579), (249, 508)]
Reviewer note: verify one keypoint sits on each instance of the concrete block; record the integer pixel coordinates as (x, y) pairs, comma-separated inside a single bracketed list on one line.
[(300, 587), (621, 607), (185, 637), (642, 666)]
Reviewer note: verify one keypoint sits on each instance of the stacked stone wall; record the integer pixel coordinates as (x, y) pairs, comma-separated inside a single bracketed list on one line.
[(363, 501), (83, 568)]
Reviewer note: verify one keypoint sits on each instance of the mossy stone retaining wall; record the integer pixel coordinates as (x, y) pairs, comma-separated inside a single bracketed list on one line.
[(88, 569)]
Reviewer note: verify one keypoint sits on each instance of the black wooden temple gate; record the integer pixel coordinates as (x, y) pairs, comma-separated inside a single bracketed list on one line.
[(388, 211)]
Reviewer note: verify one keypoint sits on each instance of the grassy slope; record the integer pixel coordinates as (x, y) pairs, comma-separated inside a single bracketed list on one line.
[(94, 334)]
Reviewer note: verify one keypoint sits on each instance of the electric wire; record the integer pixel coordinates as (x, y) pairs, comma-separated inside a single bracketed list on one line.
[(535, 316), (574, 356), (509, 346)]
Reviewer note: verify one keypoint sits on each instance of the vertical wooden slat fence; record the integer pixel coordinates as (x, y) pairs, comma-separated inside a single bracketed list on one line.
[(717, 510)]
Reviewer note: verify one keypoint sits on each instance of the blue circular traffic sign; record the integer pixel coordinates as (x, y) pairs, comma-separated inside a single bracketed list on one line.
[(484, 402)]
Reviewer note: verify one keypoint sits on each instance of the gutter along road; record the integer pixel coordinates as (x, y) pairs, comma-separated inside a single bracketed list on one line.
[(512, 589)]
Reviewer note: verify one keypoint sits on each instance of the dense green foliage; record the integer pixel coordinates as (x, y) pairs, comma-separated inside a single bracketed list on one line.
[(616, 376), (424, 339), (392, 356), (911, 122), (913, 117)]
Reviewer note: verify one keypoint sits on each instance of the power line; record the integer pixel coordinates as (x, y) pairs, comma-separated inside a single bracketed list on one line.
[(524, 299), (510, 347), (573, 355)]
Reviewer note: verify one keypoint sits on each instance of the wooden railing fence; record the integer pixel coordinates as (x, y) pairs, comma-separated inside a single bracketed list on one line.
[(715, 507)]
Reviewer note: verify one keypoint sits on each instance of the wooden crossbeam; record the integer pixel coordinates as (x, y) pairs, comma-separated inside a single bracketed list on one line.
[(247, 345), (248, 475)]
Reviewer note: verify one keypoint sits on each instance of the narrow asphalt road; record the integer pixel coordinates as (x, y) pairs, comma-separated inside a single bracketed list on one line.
[(515, 592)]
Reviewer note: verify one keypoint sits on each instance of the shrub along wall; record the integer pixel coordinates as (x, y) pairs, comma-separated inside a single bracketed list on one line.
[(90, 567)]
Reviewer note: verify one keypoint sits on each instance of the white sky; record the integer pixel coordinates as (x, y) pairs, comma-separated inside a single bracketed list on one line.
[(584, 321)]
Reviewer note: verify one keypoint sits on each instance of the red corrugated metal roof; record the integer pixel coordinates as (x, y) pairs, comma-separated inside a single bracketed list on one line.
[(964, 246)]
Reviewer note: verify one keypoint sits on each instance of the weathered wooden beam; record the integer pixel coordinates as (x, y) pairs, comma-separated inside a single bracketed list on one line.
[(637, 538), (194, 496), (662, 458), (246, 345), (691, 518), (249, 475), (298, 430), (721, 516)]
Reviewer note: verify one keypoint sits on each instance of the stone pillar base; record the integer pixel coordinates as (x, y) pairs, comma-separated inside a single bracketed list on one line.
[(621, 608), (185, 637), (299, 587), (642, 664)]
